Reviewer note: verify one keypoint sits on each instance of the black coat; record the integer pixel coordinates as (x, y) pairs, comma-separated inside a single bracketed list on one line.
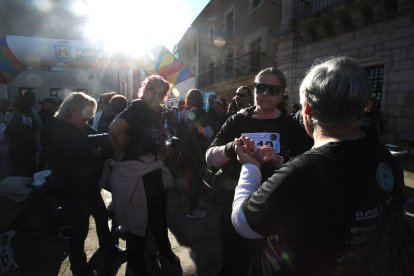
[(73, 158)]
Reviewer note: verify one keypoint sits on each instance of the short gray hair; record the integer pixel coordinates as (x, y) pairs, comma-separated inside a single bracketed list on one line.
[(337, 91), (74, 100)]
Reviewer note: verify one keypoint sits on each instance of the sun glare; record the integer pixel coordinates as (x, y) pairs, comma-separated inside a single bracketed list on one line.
[(134, 26)]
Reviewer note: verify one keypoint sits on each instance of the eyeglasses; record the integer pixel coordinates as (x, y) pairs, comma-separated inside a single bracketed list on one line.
[(272, 90), (240, 95)]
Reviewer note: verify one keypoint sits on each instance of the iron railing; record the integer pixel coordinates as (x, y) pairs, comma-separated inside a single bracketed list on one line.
[(249, 63), (304, 8), (226, 30)]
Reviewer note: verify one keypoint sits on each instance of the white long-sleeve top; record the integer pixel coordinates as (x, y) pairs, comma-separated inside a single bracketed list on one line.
[(216, 156), (249, 182)]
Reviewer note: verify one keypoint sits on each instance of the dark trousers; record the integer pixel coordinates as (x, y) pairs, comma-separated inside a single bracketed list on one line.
[(78, 213), (237, 251), (22, 159), (157, 223), (195, 182)]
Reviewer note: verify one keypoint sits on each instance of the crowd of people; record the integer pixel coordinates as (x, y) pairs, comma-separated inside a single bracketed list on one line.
[(299, 192)]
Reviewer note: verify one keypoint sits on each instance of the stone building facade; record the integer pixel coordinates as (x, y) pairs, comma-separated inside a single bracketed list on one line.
[(235, 41), (378, 34)]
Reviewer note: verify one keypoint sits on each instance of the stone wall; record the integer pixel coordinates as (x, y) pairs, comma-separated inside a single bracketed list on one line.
[(389, 43)]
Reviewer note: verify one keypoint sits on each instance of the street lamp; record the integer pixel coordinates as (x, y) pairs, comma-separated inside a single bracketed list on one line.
[(219, 41)]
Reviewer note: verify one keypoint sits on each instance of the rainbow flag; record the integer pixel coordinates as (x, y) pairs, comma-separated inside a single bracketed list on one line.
[(167, 66), (10, 66)]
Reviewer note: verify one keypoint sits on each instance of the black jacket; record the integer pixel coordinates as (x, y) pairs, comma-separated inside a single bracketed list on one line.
[(74, 159)]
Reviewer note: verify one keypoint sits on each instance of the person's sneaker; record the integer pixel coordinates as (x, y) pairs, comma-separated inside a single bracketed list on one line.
[(196, 214)]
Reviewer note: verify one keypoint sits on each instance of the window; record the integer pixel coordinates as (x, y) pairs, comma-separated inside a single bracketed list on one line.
[(376, 76), (229, 65), (229, 24), (56, 92), (211, 72), (211, 36), (256, 52), (24, 90), (13, 92), (254, 5)]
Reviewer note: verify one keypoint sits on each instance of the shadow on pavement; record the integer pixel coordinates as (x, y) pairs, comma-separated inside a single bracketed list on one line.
[(198, 238), (105, 264)]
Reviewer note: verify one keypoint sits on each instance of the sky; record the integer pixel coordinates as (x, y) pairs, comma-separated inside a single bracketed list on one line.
[(135, 26)]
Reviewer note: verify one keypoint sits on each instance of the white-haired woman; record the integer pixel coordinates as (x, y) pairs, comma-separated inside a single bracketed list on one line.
[(320, 209), (73, 160)]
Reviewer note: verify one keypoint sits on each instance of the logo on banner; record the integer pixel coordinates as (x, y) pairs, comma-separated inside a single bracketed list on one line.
[(62, 53)]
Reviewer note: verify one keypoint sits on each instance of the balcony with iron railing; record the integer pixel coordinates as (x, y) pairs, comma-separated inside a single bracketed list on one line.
[(319, 19), (225, 31), (304, 8), (247, 64)]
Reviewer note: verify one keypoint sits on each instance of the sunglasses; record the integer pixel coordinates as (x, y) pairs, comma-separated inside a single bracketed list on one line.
[(240, 95), (272, 90)]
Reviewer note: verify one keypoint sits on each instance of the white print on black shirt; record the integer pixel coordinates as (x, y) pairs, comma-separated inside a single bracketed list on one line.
[(365, 223), (385, 177), (368, 214)]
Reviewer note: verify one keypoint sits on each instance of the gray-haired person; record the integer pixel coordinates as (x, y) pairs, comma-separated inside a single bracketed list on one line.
[(71, 149), (320, 210)]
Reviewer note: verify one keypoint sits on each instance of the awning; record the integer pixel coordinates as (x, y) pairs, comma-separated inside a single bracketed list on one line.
[(19, 52)]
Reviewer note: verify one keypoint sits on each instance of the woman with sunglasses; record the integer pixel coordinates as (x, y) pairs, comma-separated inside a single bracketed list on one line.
[(278, 135), (139, 196), (336, 209)]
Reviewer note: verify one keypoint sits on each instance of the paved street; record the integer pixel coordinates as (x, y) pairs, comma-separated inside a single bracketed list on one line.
[(196, 242)]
